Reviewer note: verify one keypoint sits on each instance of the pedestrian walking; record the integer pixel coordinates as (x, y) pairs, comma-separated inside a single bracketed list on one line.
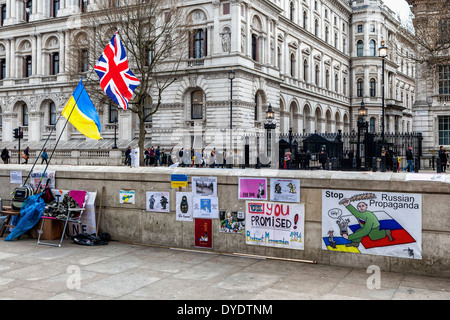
[(128, 156), (409, 160), (5, 155), (26, 155), (443, 157), (44, 156)]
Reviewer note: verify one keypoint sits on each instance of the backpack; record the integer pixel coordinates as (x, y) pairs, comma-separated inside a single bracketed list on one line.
[(20, 194)]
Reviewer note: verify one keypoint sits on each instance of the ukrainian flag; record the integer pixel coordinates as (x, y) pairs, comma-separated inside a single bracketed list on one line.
[(81, 113)]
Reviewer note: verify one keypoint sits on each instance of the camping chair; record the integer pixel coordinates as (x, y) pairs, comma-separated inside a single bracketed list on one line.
[(72, 215)]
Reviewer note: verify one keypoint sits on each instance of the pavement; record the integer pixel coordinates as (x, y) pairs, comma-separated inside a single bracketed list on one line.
[(122, 271)]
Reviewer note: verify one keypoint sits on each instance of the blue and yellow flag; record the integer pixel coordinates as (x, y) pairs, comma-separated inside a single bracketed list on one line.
[(84, 116)]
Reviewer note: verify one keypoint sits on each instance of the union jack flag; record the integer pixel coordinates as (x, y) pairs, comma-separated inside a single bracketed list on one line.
[(116, 79)]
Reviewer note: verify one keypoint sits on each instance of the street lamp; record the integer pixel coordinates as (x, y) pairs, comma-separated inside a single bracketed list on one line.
[(231, 76), (383, 54), (362, 124), (115, 133), (269, 125)]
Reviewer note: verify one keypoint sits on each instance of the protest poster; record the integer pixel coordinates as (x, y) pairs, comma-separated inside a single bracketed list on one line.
[(285, 190), (275, 224), (378, 223), (157, 201), (127, 196), (203, 233), (253, 188), (184, 206), (206, 207), (204, 186), (37, 175), (231, 221)]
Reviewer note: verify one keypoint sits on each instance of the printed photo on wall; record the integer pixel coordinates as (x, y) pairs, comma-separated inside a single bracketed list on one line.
[(204, 186), (285, 190), (203, 233), (206, 207), (253, 188), (184, 206), (378, 223), (232, 221), (157, 201), (127, 196)]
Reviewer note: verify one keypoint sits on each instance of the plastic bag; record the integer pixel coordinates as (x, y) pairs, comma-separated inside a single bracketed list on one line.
[(30, 214), (91, 239)]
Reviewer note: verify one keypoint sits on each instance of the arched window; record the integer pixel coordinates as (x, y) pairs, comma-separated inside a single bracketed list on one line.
[(360, 48), (360, 88), (372, 87), (372, 48), (292, 65), (52, 114), (197, 104), (24, 115)]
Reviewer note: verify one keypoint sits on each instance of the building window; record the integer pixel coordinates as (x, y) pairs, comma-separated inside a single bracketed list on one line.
[(336, 83), (197, 104), (305, 19), (148, 110), (344, 86), (444, 79), (150, 54), (360, 88), (444, 130), (254, 47), (316, 28), (84, 60), (3, 14), (372, 87), (2, 69), (360, 28), (1, 117), (198, 44), (327, 34), (372, 125), (372, 28), (226, 8), (327, 79), (52, 114), (291, 11), (292, 65), (83, 5), (28, 10), (317, 74), (444, 31), (54, 8), (360, 48), (24, 115), (305, 70), (27, 67), (54, 63), (113, 112), (373, 49)]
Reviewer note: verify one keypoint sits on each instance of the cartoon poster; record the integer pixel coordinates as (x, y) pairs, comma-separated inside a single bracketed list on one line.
[(285, 190), (127, 196), (184, 206), (275, 224), (157, 201), (231, 221), (203, 233), (206, 207), (379, 223), (204, 186), (253, 188)]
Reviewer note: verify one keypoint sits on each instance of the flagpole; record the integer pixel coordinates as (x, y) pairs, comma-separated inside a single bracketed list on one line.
[(59, 138)]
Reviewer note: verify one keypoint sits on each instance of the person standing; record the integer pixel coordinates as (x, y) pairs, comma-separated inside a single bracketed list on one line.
[(157, 156), (44, 156), (443, 158), (128, 156), (5, 156), (409, 160)]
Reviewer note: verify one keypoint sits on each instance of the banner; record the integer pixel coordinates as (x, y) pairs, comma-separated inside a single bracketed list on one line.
[(379, 223), (253, 188), (157, 201), (285, 190), (184, 206), (36, 175), (275, 224)]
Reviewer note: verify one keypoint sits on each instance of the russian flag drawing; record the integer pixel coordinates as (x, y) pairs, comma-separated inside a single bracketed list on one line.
[(81, 113)]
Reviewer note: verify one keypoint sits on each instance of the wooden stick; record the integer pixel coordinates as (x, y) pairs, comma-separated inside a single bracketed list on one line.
[(100, 210)]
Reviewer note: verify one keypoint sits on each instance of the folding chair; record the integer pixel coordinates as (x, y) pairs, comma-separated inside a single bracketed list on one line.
[(72, 215)]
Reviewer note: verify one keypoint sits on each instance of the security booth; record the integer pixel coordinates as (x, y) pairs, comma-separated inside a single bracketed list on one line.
[(284, 145), (330, 142)]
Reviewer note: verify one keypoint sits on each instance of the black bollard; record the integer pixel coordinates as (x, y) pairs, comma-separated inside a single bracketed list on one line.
[(438, 165), (394, 164), (374, 164)]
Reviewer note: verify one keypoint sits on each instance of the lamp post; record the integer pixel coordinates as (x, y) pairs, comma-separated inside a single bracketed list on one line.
[(269, 125), (362, 113), (382, 53), (231, 76)]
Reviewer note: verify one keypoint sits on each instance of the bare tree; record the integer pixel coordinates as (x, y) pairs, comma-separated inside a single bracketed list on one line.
[(154, 39)]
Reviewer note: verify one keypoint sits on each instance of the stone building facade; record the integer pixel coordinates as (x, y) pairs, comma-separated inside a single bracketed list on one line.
[(313, 61)]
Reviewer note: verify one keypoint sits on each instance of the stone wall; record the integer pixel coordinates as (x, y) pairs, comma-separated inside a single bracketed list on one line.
[(132, 223)]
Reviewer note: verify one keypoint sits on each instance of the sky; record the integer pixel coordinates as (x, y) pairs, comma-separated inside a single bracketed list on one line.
[(399, 6)]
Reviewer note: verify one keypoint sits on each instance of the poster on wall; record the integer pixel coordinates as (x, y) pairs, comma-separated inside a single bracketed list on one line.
[(206, 207), (203, 233), (378, 223), (275, 224), (127, 196), (285, 190), (88, 221), (184, 206), (204, 186), (157, 201), (231, 221), (134, 157), (253, 188), (36, 176), (15, 177)]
